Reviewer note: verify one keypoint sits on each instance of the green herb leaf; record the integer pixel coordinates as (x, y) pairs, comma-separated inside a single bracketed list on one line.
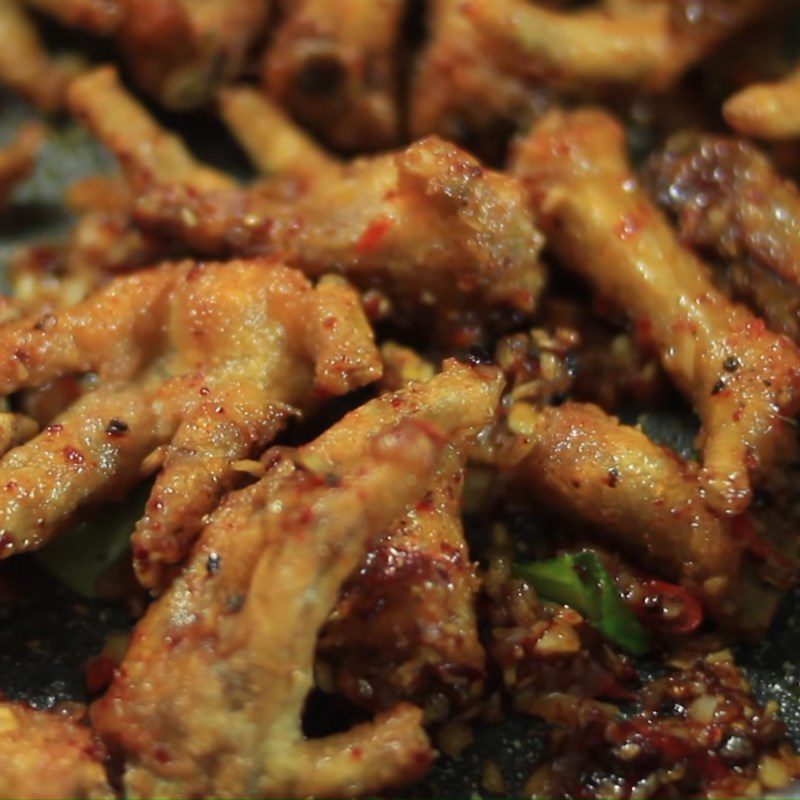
[(581, 581), (80, 556)]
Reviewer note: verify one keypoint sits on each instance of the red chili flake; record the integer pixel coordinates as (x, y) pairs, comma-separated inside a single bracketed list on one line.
[(656, 595), (374, 304), (612, 477), (73, 456), (11, 486), (683, 325), (755, 327), (195, 272), (562, 148), (204, 391), (426, 504), (141, 554), (373, 235), (356, 753), (329, 323), (55, 428), (465, 336), (161, 754), (98, 673)]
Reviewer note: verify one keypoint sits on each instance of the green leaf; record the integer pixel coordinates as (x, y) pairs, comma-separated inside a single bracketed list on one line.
[(80, 556), (581, 581)]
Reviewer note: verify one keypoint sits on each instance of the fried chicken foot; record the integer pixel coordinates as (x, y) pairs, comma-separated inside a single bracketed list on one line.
[(181, 51), (274, 144), (728, 197), (740, 377), (767, 110), (716, 187), (25, 65), (177, 51), (47, 756), (427, 223), (650, 47), (333, 66), (144, 150), (405, 625), (103, 241), (459, 92), (204, 361), (639, 495), (493, 65), (218, 711)]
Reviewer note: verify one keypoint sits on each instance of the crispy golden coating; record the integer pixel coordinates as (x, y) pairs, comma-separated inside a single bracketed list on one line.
[(767, 110), (145, 151), (402, 365), (405, 623), (104, 240), (427, 224), (272, 141), (334, 67), (177, 51), (18, 159), (493, 64), (777, 301), (25, 65), (41, 281), (740, 377), (15, 429), (48, 756), (204, 362), (641, 497), (728, 198), (181, 51), (647, 44), (458, 91), (217, 711)]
